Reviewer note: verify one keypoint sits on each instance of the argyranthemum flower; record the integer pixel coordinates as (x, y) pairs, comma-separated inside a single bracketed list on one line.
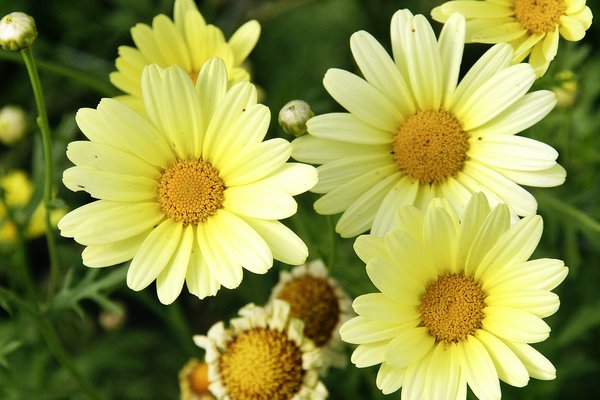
[(320, 302), (459, 302), (532, 27), (263, 355), (412, 133), (191, 192), (187, 41), (193, 381)]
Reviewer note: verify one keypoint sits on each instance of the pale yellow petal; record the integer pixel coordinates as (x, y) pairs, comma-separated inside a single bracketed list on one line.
[(109, 185), (113, 253), (510, 369), (170, 281), (244, 40), (154, 254), (173, 107), (478, 369), (515, 325), (120, 222), (380, 71), (362, 99), (369, 354), (285, 245)]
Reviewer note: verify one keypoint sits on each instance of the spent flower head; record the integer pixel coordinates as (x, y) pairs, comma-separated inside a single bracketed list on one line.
[(319, 301), (17, 31), (263, 355)]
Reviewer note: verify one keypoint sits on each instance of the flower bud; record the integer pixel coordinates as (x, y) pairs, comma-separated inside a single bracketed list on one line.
[(566, 90), (13, 124), (293, 117), (17, 31)]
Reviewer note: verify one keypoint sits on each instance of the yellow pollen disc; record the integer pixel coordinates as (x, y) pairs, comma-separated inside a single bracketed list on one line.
[(313, 301), (190, 191), (539, 16), (430, 146), (452, 307), (262, 364)]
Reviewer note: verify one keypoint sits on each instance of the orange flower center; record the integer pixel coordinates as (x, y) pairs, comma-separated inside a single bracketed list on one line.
[(190, 191), (452, 307), (430, 146), (539, 16)]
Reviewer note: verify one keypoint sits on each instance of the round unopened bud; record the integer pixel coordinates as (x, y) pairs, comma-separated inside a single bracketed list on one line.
[(13, 124), (566, 89), (293, 117), (17, 31)]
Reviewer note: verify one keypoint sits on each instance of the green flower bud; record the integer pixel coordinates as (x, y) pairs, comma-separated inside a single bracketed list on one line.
[(293, 117), (17, 31), (13, 124)]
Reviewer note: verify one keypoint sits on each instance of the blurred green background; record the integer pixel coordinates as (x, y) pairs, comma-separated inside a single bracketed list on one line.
[(300, 40)]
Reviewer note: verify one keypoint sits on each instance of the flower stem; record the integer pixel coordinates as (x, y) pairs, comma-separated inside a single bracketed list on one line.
[(42, 121)]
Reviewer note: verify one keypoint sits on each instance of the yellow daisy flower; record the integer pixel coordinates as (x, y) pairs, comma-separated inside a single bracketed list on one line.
[(191, 192), (532, 27), (187, 41), (319, 301), (262, 356), (459, 302), (414, 133)]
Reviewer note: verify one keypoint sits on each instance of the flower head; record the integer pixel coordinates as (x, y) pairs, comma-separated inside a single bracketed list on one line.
[(262, 356), (532, 27), (413, 132), (13, 124), (193, 381), (187, 41), (459, 302), (17, 31), (320, 302), (190, 192)]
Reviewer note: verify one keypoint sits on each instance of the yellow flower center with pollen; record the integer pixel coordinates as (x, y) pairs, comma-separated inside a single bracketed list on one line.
[(262, 364), (452, 307), (313, 301), (539, 16), (430, 146), (190, 191)]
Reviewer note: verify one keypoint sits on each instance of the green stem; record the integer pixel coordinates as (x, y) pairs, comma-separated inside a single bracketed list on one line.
[(44, 126), (81, 77)]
